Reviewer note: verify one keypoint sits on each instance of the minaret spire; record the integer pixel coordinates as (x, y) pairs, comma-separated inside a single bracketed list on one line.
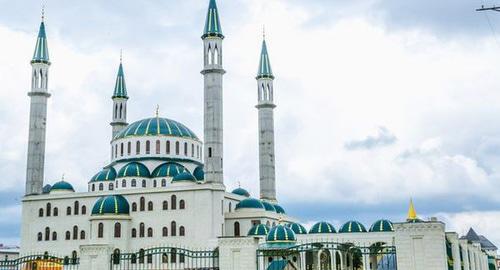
[(120, 97), (265, 106), (39, 94), (412, 213)]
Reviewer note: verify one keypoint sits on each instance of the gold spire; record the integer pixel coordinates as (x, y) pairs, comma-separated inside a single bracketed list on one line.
[(412, 214)]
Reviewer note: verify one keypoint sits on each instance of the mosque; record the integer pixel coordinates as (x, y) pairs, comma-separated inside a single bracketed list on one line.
[(161, 201)]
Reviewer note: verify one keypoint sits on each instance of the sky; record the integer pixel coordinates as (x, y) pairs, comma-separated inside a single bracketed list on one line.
[(377, 101)]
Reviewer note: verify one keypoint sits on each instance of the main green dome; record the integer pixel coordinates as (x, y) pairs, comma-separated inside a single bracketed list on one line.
[(111, 205), (156, 126), (352, 227)]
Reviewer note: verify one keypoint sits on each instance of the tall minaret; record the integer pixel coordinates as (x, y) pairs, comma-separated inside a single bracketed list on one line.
[(266, 106), (213, 72), (38, 114), (119, 102)]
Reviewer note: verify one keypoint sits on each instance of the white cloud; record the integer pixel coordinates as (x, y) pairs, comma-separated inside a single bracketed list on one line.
[(483, 222)]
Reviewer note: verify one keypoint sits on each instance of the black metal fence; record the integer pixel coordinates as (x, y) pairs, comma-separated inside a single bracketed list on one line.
[(172, 258), (40, 262), (327, 256)]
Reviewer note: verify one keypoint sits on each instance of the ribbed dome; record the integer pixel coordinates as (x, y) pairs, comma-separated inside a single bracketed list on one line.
[(268, 206), (250, 203), (259, 230), (111, 205), (241, 192), (322, 227), (382, 225), (281, 234), (352, 227), (185, 176), (156, 126), (169, 169), (198, 173), (279, 209), (107, 174), (297, 228), (62, 185), (134, 169)]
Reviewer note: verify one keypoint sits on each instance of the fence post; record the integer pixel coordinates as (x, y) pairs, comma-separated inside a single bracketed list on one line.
[(95, 257)]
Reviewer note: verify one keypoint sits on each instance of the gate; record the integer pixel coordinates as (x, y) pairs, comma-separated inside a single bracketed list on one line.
[(40, 262), (172, 258), (327, 256)]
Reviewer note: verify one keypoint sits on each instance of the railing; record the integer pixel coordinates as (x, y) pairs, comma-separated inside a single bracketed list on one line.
[(40, 262)]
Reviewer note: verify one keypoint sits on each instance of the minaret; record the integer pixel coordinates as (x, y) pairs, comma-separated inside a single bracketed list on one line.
[(265, 107), (412, 213), (119, 102), (38, 114), (213, 72)]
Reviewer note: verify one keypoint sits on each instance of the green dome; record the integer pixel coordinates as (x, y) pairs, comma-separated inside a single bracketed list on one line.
[(156, 126), (198, 173), (382, 225), (111, 205), (250, 203), (259, 230), (352, 227), (185, 176), (107, 174), (268, 206), (134, 169), (297, 228), (241, 192), (322, 227), (169, 169), (280, 234), (46, 189), (279, 209), (62, 185)]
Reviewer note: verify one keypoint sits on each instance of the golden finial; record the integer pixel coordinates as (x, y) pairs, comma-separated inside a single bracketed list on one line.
[(157, 110), (43, 13), (412, 214)]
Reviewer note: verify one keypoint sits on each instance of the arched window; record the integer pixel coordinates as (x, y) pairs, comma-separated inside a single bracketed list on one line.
[(39, 236), (230, 207), (141, 255), (150, 206), (124, 183), (192, 150), (142, 204), (143, 183), (138, 148), (77, 207), (68, 235), (173, 202), (54, 236), (134, 233), (182, 204), (185, 149), (100, 230), (198, 151), (101, 187), (173, 228), (93, 187), (47, 234), (116, 256), (75, 232), (121, 149), (133, 259), (68, 211), (163, 182), (164, 232), (148, 147), (210, 152), (129, 148), (84, 210), (74, 257), (118, 230), (121, 109), (149, 258), (134, 207), (82, 235), (40, 212), (182, 231), (236, 229), (48, 209), (150, 232), (110, 186), (168, 147), (173, 255), (164, 258), (177, 148), (182, 258), (155, 184), (158, 147), (134, 183), (141, 230), (56, 212), (165, 205), (116, 150)]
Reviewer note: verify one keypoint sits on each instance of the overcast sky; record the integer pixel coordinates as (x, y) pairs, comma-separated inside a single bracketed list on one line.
[(378, 101)]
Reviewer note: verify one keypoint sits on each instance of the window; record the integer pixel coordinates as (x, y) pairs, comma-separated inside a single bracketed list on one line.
[(39, 236), (74, 257), (68, 211), (182, 231), (182, 258), (116, 150), (176, 148), (164, 232), (48, 209), (173, 229), (82, 235), (101, 187), (138, 148), (100, 230), (129, 148), (163, 182), (134, 207), (230, 207), (142, 204), (185, 149), (116, 256), (155, 183), (75, 232), (182, 204), (192, 150), (133, 259), (210, 152), (134, 233), (165, 205), (149, 258), (173, 202), (141, 230), (198, 151), (121, 149), (150, 232), (141, 255), (134, 183), (40, 212), (68, 235), (84, 210), (168, 147), (93, 187), (118, 230), (143, 183), (158, 147), (150, 206), (47, 234), (173, 255), (111, 186), (54, 236), (164, 258), (77, 207), (236, 229), (124, 183), (148, 147), (56, 212)]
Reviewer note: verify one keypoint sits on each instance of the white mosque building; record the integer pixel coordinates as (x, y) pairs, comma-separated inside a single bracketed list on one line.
[(161, 201)]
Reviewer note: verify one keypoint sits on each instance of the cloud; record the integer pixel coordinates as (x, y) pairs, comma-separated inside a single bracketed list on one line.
[(483, 222), (383, 138)]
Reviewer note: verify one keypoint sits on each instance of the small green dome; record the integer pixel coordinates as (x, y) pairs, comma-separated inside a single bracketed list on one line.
[(322, 227), (241, 192), (198, 173), (382, 225), (107, 174), (297, 228), (352, 227), (62, 185), (185, 176), (134, 169), (46, 189), (169, 169), (250, 203), (279, 209), (156, 126), (268, 206), (280, 234), (259, 230), (111, 205)]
